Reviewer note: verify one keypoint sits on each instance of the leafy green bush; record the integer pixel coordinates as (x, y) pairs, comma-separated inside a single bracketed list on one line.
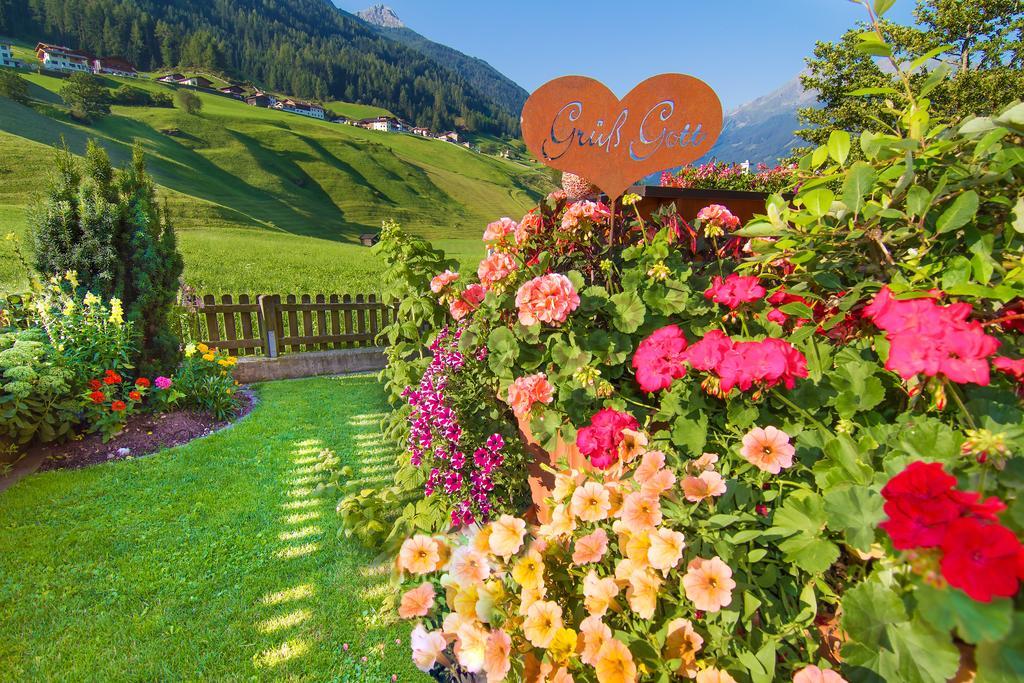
[(36, 399), (129, 96)]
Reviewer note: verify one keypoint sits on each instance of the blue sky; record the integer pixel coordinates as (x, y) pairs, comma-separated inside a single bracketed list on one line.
[(742, 48)]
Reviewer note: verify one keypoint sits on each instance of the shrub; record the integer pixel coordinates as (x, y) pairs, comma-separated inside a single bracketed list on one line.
[(13, 86), (108, 228), (86, 97), (129, 96), (776, 436), (188, 102), (204, 381), (36, 400)]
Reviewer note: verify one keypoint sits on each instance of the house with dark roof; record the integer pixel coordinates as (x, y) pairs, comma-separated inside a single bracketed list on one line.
[(233, 89), (384, 124), (196, 82), (299, 107), (114, 66), (171, 78), (260, 99)]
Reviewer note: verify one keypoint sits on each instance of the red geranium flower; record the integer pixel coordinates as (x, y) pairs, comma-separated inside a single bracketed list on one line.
[(707, 353), (135, 396), (660, 359), (142, 382), (118, 406), (95, 384), (97, 397), (599, 441), (735, 290), (982, 559), (920, 504), (111, 377)]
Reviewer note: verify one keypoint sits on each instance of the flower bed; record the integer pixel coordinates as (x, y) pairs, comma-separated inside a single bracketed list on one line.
[(791, 447)]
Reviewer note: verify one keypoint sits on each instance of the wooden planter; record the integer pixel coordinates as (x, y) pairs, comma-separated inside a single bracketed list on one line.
[(688, 202), (541, 481)]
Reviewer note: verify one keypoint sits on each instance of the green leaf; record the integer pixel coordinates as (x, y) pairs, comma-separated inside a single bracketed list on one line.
[(818, 201), (803, 512), (811, 553), (819, 156), (839, 146), (843, 463), (855, 511), (868, 608), (928, 56), (863, 92), (1003, 662), (857, 185), (1018, 214), (974, 621), (628, 312), (961, 212), (918, 200), (883, 6)]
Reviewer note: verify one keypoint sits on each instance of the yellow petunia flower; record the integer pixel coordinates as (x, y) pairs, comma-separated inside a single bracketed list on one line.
[(563, 645)]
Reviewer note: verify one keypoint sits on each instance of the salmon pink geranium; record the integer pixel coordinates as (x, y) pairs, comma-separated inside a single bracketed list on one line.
[(546, 299), (499, 229), (525, 392), (495, 268), (735, 290)]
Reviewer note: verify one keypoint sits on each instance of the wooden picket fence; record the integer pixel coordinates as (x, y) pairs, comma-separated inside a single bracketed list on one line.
[(270, 324)]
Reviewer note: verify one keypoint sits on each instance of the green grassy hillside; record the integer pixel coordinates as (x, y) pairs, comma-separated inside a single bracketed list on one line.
[(266, 200)]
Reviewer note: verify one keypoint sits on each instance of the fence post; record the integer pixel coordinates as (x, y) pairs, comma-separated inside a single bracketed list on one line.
[(267, 315)]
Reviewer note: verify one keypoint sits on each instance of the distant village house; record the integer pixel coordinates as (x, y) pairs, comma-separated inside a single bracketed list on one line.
[(171, 78), (114, 66), (260, 99), (384, 124), (196, 82), (7, 56), (421, 131), (298, 107), (234, 90), (449, 136), (60, 58)]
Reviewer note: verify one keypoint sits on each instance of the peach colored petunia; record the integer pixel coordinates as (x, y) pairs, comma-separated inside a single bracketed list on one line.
[(704, 462), (439, 282), (498, 229), (507, 536), (542, 622), (636, 548), (642, 592), (590, 548), (496, 268), (626, 568), (427, 647), (714, 676), (481, 541), (469, 566), (707, 485), (453, 621), (591, 502), (464, 600), (660, 482), (640, 512), (524, 392), (546, 299), (615, 663), (417, 602), (666, 549), (594, 633), (812, 674), (708, 584), (598, 593), (471, 646), (496, 656), (528, 596), (419, 555), (768, 449), (562, 524), (633, 444), (565, 484), (650, 464), (529, 570), (683, 643)]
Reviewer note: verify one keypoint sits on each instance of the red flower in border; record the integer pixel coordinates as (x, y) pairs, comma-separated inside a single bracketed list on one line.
[(135, 396), (660, 358), (142, 382), (982, 559), (95, 384), (118, 406), (111, 377), (98, 397)]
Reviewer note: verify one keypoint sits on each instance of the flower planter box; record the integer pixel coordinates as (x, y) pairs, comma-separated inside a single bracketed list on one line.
[(689, 201)]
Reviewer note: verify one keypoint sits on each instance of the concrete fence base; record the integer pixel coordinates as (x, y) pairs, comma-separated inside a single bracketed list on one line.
[(309, 364)]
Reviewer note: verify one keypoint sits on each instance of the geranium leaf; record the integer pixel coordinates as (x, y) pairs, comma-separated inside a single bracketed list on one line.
[(628, 312), (974, 621), (1003, 662), (855, 511)]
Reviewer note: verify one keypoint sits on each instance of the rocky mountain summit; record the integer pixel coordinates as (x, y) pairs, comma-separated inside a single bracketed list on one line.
[(381, 15)]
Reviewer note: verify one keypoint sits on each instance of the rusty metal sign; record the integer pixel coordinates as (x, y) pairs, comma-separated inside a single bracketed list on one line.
[(577, 124)]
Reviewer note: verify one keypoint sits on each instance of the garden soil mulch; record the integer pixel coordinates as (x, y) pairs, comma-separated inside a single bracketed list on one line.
[(143, 435)]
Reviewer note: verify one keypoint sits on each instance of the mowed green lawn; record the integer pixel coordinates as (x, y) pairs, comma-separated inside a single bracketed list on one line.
[(266, 200), (209, 561)]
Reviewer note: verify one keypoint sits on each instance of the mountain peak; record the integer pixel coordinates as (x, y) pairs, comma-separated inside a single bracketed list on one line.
[(381, 15)]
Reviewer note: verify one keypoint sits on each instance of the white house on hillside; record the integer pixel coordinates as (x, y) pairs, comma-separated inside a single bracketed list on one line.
[(59, 58), (298, 107), (114, 66), (6, 56), (449, 136), (384, 124)]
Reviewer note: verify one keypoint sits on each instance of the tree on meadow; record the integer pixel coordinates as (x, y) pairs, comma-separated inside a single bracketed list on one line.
[(188, 102), (107, 225), (86, 97), (979, 43), (13, 86)]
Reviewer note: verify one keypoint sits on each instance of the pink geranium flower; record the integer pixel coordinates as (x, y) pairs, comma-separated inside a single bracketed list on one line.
[(599, 441), (707, 353), (439, 282), (546, 299), (717, 214), (499, 229), (524, 392), (496, 268), (660, 358), (469, 301), (735, 290), (768, 449)]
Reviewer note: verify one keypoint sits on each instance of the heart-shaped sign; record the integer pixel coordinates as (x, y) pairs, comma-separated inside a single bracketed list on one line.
[(576, 124)]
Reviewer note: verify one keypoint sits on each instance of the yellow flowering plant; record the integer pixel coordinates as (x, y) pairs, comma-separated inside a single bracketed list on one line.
[(205, 382)]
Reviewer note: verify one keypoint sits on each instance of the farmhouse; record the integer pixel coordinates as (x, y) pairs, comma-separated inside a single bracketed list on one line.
[(299, 107), (6, 56), (59, 58), (235, 90), (114, 66), (196, 82), (421, 131), (384, 124), (171, 78), (449, 136), (260, 99)]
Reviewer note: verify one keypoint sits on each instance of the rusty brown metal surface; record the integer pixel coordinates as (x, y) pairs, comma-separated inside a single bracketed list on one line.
[(576, 124)]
